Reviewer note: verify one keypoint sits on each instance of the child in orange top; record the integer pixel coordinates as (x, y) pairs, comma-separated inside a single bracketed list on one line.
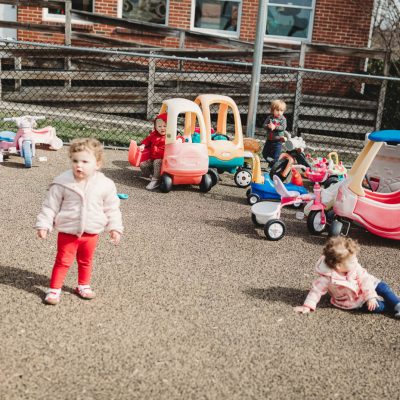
[(348, 283), (156, 143)]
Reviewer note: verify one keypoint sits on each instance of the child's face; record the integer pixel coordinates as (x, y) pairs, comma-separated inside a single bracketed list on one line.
[(160, 126), (84, 165), (278, 113), (347, 265)]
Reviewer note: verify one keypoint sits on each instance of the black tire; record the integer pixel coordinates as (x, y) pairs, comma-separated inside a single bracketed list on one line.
[(278, 168), (206, 183), (166, 183), (243, 178), (274, 229), (335, 229), (254, 220), (214, 176), (314, 222), (253, 199), (330, 181), (248, 192)]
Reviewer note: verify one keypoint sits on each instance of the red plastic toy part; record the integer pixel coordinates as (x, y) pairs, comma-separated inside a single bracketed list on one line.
[(135, 155)]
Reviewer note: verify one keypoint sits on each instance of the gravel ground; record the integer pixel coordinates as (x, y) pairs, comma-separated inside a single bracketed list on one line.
[(194, 304)]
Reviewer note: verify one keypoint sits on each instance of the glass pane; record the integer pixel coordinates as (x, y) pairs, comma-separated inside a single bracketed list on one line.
[(301, 3), (82, 5), (145, 10), (288, 21), (220, 15)]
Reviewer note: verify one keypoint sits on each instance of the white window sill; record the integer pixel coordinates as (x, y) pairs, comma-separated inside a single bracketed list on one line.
[(283, 40), (61, 20), (224, 34)]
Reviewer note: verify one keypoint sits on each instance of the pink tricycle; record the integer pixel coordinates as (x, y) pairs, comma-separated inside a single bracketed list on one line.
[(24, 141)]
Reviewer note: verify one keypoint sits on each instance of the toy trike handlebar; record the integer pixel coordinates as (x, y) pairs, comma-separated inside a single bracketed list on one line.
[(32, 117)]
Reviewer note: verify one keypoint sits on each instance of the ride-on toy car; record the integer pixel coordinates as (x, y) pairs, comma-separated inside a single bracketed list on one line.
[(224, 155), (379, 213), (262, 186), (184, 163), (25, 140)]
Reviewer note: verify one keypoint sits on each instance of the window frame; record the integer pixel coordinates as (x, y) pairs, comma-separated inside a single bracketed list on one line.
[(46, 16), (217, 32), (119, 12), (291, 39)]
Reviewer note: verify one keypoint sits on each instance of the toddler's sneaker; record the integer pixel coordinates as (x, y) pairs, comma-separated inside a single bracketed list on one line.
[(85, 292), (154, 183), (397, 310), (52, 296)]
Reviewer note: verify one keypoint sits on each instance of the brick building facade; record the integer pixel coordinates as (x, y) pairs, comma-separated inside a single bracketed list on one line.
[(339, 22)]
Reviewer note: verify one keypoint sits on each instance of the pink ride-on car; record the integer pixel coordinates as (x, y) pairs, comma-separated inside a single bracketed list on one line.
[(377, 212), (184, 162)]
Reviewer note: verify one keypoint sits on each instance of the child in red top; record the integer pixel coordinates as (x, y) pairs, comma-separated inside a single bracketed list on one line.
[(156, 143)]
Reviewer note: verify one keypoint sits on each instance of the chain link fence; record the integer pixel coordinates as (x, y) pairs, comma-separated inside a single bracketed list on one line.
[(114, 95)]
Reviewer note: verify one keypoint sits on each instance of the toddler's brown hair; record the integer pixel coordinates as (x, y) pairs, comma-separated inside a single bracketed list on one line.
[(88, 144), (338, 248)]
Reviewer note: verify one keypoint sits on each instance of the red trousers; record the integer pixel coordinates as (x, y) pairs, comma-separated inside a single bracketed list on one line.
[(69, 246)]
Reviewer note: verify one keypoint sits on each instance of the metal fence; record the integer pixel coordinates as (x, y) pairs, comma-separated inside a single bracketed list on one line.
[(114, 95)]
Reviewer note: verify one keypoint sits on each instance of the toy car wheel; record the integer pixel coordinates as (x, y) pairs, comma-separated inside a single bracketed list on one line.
[(330, 181), (274, 229), (206, 183), (253, 199), (214, 176), (56, 144), (27, 153), (335, 228), (243, 178), (254, 220), (166, 183), (248, 191), (314, 224)]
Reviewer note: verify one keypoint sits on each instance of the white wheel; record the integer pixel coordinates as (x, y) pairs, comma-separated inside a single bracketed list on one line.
[(253, 199), (243, 178), (314, 224), (274, 229), (56, 144)]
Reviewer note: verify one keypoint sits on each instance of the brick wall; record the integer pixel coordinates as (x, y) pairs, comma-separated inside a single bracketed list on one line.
[(342, 22)]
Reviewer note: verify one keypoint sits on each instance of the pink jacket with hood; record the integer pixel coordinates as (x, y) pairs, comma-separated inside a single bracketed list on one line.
[(348, 291), (69, 208)]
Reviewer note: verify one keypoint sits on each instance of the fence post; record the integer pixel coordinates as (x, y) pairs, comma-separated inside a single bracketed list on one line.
[(67, 37), (150, 87), (299, 90), (18, 67), (382, 92), (180, 62)]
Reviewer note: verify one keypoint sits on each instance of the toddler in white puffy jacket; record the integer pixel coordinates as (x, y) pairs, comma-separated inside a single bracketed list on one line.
[(80, 204), (348, 283)]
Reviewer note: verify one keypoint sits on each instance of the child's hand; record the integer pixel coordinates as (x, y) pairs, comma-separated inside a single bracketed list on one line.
[(283, 139), (302, 309), (372, 304), (271, 126), (42, 233), (115, 237), (141, 147)]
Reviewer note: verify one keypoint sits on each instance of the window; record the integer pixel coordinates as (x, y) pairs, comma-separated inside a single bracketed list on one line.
[(57, 15), (154, 11), (217, 16), (290, 19)]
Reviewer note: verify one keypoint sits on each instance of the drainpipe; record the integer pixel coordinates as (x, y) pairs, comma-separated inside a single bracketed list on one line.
[(256, 71)]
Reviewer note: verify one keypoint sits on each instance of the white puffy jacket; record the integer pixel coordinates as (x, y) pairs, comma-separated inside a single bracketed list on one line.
[(70, 208)]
